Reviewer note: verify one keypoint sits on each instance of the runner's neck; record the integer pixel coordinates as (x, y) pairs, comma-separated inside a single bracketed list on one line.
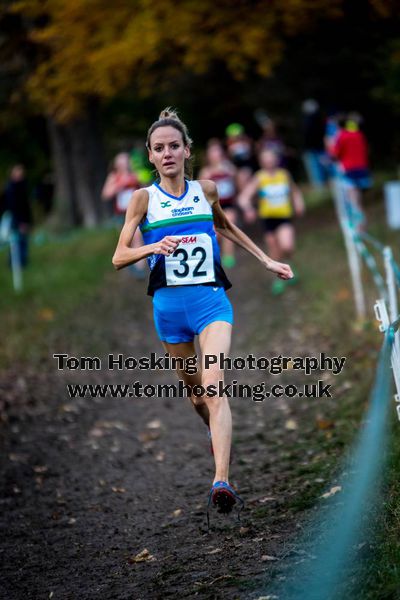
[(174, 186)]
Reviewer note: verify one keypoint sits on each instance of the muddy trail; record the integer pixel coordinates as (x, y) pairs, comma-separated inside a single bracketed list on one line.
[(106, 497)]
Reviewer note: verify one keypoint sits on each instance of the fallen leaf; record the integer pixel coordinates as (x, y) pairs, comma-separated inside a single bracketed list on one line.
[(110, 425), (143, 556), (334, 490), (291, 425), (244, 530), (266, 557), (220, 578), (40, 469), (215, 551), (17, 457), (324, 423), (160, 456), (266, 499), (342, 294), (155, 424), (361, 545), (148, 436), (346, 385), (69, 408), (118, 490), (177, 512), (46, 314), (96, 432)]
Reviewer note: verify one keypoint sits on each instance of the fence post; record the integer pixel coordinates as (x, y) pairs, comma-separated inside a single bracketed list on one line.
[(352, 254), (392, 295)]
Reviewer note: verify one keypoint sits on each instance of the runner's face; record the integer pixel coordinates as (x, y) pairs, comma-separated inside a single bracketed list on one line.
[(268, 159), (121, 162), (215, 154), (168, 152)]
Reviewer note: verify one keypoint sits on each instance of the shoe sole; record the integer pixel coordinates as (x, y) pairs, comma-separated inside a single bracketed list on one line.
[(223, 500)]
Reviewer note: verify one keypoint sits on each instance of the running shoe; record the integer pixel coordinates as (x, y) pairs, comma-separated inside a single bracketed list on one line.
[(228, 261), (223, 497), (278, 287)]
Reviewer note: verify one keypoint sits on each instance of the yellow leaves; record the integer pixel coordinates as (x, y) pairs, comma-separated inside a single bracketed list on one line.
[(384, 8), (94, 47), (143, 556)]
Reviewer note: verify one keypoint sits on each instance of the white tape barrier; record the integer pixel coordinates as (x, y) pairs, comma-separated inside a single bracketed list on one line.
[(353, 256), (382, 316)]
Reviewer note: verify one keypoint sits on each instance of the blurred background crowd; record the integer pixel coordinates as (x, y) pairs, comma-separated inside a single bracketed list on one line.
[(310, 83)]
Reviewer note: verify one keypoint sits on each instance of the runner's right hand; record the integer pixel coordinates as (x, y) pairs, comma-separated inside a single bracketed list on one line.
[(167, 245), (282, 270)]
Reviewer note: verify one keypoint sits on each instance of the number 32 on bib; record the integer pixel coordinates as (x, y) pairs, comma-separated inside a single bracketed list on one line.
[(192, 262)]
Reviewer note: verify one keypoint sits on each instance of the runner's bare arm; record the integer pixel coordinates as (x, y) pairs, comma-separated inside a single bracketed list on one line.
[(124, 255), (245, 200), (236, 235), (296, 198), (109, 188)]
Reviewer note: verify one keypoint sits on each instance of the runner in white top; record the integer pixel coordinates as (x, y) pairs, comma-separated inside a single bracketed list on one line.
[(187, 278)]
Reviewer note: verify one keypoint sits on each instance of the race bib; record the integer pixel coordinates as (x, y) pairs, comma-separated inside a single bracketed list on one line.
[(123, 199), (192, 262), (276, 194)]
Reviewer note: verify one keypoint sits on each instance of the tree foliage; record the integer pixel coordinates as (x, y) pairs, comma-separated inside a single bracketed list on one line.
[(97, 48)]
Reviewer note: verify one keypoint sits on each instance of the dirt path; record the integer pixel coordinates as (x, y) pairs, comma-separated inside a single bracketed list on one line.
[(88, 484)]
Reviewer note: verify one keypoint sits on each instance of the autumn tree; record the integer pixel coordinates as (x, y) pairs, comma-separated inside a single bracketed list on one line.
[(88, 51)]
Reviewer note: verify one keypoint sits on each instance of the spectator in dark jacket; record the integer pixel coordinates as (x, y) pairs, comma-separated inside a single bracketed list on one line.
[(17, 203)]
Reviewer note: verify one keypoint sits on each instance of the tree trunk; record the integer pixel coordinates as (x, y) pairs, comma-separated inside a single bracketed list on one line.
[(66, 214), (80, 169)]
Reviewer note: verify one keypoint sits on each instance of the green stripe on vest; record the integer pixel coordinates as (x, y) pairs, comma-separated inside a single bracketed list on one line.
[(176, 221)]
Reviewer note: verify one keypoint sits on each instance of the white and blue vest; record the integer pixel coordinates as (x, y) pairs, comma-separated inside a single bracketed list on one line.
[(189, 216)]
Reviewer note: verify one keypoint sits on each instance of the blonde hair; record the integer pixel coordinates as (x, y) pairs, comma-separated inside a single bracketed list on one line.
[(169, 118)]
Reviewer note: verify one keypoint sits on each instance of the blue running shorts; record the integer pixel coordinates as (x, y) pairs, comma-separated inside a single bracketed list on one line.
[(181, 312)]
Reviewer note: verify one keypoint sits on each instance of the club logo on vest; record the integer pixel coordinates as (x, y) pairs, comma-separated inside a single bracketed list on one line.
[(196, 199), (166, 204), (186, 211)]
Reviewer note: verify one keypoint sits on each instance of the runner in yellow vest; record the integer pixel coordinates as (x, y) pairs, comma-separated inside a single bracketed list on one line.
[(279, 199)]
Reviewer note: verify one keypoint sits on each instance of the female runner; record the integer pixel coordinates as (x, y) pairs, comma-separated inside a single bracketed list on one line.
[(177, 217), (119, 186), (278, 199), (220, 170)]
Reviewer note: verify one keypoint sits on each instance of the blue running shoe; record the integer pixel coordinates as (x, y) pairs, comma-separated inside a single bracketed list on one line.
[(223, 497)]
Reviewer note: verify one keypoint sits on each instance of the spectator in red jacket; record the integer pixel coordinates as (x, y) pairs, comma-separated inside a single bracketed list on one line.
[(351, 151)]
